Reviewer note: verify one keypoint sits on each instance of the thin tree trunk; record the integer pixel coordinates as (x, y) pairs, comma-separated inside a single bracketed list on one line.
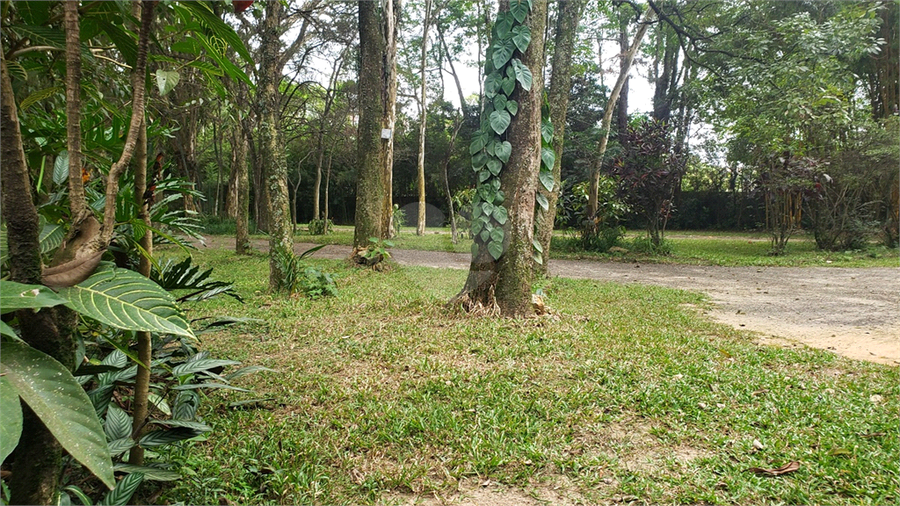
[(325, 210), (610, 105), (242, 228), (77, 201), (454, 233), (391, 20), (558, 96), (420, 222), (621, 107), (140, 406)]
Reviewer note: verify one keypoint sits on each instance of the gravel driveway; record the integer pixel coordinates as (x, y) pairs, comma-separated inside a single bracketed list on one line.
[(853, 312)]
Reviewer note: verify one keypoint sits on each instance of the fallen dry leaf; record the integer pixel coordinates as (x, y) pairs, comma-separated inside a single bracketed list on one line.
[(790, 467)]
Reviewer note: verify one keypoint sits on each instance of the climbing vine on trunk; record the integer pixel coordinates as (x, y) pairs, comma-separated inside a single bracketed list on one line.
[(490, 148)]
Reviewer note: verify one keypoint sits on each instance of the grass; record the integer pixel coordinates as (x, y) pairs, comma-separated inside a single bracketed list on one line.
[(384, 394), (732, 249)]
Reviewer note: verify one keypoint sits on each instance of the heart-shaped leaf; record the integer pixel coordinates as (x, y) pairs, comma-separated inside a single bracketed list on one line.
[(521, 37), (497, 235), (488, 208), (483, 175), (503, 51), (519, 9), (495, 248), (548, 157), (523, 75), (547, 131), (503, 151), (494, 166), (479, 160), (546, 178), (491, 84), (500, 215), (500, 102), (507, 85), (512, 106), (543, 202), (503, 25), (476, 145), (500, 122)]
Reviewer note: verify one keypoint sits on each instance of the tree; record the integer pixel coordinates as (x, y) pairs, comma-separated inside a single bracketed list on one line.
[(627, 60), (377, 94), (507, 156), (558, 96), (423, 103)]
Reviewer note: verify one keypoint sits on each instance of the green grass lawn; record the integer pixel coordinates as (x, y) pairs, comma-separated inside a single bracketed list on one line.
[(383, 394), (697, 248)]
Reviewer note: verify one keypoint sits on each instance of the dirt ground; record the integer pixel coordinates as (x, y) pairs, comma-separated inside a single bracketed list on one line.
[(852, 312)]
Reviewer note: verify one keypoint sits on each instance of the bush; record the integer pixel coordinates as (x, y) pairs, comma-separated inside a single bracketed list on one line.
[(319, 227), (645, 245), (299, 278), (601, 239)]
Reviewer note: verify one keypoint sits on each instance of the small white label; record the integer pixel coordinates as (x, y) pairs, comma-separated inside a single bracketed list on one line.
[(385, 133)]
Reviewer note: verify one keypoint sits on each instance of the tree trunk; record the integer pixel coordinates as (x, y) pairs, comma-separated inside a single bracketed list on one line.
[(504, 284), (621, 106), (271, 145), (37, 459), (420, 221), (390, 22), (140, 406), (610, 105), (558, 97), (242, 216), (370, 178)]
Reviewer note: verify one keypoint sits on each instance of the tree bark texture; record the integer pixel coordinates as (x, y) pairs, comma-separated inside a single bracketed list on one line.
[(36, 468), (569, 14), (370, 180), (505, 284), (271, 145), (77, 201), (420, 183), (608, 112), (390, 21)]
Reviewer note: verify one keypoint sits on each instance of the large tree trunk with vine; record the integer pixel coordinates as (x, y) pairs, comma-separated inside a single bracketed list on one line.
[(504, 285), (37, 458), (370, 180), (558, 97), (271, 146)]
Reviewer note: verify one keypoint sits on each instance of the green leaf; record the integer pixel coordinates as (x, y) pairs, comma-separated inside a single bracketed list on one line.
[(488, 208), (483, 175), (492, 84), (476, 145), (503, 151), (15, 296), (189, 46), (546, 178), (494, 166), (8, 331), (52, 393), (497, 235), (547, 131), (51, 237), (500, 121), (38, 96), (117, 424), (203, 364), (10, 418), (150, 473), (166, 81), (500, 102), (121, 495), (501, 215), (485, 235), (125, 44), (126, 300), (543, 202), (521, 37), (197, 426), (119, 446), (495, 249), (503, 51), (537, 246), (166, 436), (204, 13), (519, 10), (503, 25), (61, 168), (548, 157), (508, 85), (512, 106), (523, 75)]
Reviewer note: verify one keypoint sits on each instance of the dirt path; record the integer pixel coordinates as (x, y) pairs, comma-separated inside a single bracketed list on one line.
[(853, 312)]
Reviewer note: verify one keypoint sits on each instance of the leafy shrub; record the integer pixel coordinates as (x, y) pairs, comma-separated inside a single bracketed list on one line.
[(299, 278), (602, 231), (644, 245), (319, 227), (601, 239), (398, 219)]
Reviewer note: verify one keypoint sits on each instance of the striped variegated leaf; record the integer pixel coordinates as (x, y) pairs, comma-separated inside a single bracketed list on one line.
[(126, 300)]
